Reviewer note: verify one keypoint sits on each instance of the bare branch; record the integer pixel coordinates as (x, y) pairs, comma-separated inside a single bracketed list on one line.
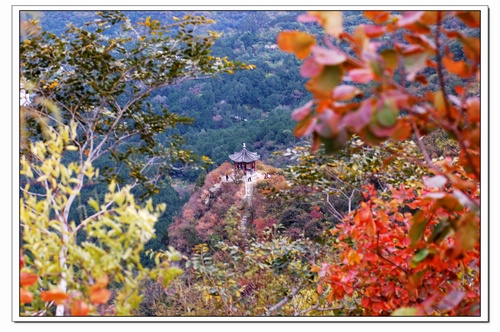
[(89, 219), (285, 300), (316, 308)]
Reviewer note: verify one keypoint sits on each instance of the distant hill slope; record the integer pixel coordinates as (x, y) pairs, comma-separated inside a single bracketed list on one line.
[(214, 211)]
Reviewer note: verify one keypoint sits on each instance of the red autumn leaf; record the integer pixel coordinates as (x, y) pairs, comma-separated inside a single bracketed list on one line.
[(315, 269), (362, 75), (422, 40), (353, 257), (310, 68), (348, 289), (410, 18), (377, 16), (302, 112), (407, 49), (421, 79), (25, 296), (327, 124), (471, 47), (345, 92), (374, 31), (461, 68), (403, 130), (326, 56), (296, 42), (471, 18), (371, 228), (80, 308), (21, 261), (101, 282), (473, 109), (100, 296), (305, 126), (365, 302), (57, 295), (319, 289), (347, 278), (330, 296), (357, 120), (381, 132), (28, 279)]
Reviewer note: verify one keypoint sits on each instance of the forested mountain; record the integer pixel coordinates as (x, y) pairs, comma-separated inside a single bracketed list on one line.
[(365, 200), (251, 106)]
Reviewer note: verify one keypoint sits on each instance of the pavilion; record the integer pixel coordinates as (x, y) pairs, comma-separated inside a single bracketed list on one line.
[(244, 160)]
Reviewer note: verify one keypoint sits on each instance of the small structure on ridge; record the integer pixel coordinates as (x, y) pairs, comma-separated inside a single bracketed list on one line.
[(244, 160)]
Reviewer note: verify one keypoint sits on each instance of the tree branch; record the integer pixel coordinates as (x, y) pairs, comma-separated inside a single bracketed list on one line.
[(285, 300)]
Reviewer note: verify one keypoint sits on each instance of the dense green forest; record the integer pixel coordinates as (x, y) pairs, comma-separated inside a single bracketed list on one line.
[(365, 200)]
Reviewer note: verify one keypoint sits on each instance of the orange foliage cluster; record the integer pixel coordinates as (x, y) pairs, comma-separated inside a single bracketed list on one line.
[(416, 249), (98, 293), (394, 259)]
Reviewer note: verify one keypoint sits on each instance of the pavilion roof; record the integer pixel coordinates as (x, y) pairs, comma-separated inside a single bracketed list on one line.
[(244, 156)]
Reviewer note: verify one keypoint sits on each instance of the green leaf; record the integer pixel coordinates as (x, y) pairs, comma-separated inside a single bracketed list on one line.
[(170, 274), (391, 58), (407, 311), (93, 203), (419, 257), (440, 232), (388, 114), (417, 227), (330, 77)]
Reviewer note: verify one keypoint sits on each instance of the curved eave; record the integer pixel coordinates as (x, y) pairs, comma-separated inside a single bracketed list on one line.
[(244, 156)]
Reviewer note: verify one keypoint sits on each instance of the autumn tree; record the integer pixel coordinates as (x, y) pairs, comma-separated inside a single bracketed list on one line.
[(95, 80), (412, 251), (81, 277)]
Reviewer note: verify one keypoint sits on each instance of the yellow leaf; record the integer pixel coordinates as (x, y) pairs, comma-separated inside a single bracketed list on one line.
[(332, 22)]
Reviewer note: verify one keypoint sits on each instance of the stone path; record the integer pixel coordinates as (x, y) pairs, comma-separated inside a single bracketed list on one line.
[(248, 197)]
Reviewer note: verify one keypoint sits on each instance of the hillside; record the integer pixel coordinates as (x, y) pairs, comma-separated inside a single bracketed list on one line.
[(214, 211)]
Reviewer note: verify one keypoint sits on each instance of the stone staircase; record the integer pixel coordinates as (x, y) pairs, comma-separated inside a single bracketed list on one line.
[(248, 199)]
